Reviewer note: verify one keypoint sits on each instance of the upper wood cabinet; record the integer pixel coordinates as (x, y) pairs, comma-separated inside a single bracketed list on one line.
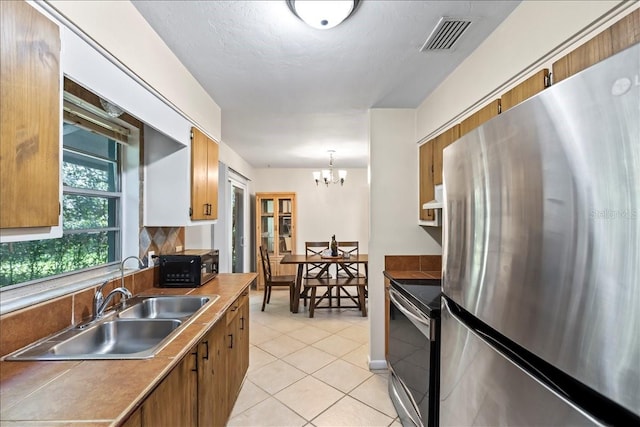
[(29, 117), (204, 176), (441, 142), (525, 90), (431, 167), (479, 117), (617, 37), (426, 179)]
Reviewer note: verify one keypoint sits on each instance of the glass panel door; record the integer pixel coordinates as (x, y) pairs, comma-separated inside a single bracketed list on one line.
[(267, 225), (284, 225), (237, 229)]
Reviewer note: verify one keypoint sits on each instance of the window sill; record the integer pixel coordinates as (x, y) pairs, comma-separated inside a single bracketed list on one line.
[(27, 296)]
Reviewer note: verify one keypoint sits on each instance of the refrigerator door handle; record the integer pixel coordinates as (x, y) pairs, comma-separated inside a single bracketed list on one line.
[(519, 362), (412, 313), (509, 354)]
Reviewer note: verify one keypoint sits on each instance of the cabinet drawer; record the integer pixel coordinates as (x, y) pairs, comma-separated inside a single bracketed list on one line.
[(234, 309)]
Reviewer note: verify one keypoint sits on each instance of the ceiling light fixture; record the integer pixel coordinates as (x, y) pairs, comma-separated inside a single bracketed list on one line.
[(327, 176), (322, 14)]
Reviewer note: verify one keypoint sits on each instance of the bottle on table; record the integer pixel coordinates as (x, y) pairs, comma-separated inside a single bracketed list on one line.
[(334, 246)]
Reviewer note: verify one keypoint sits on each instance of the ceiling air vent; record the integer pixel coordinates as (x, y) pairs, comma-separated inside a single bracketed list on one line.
[(446, 34)]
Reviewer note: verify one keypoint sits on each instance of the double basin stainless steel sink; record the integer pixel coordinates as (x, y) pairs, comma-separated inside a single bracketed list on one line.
[(137, 330)]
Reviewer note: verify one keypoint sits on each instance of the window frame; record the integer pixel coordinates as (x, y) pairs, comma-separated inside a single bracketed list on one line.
[(28, 293)]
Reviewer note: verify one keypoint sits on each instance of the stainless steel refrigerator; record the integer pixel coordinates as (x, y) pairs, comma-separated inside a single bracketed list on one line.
[(541, 277)]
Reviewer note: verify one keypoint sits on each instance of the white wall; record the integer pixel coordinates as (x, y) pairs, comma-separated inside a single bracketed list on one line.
[(534, 35), (120, 29), (322, 211), (393, 209), (123, 33)]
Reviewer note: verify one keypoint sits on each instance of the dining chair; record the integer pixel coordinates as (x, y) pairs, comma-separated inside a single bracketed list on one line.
[(271, 281), (314, 270), (348, 276), (356, 275), (348, 249)]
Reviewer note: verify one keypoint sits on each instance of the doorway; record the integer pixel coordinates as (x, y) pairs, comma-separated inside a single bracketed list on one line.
[(238, 223)]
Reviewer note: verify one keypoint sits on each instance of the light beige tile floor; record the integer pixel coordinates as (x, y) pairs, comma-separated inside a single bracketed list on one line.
[(310, 372)]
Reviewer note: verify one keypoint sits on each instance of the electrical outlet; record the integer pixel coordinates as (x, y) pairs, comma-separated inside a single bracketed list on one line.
[(178, 248), (150, 260)]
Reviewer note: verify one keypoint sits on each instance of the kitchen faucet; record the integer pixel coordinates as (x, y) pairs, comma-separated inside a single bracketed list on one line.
[(100, 303)]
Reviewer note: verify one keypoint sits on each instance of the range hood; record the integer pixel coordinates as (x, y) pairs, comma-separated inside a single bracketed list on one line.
[(433, 204), (437, 204)]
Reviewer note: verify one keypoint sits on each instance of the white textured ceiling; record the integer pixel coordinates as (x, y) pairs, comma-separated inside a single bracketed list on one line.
[(289, 92)]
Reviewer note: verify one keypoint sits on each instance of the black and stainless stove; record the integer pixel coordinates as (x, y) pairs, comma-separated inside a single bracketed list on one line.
[(414, 350)]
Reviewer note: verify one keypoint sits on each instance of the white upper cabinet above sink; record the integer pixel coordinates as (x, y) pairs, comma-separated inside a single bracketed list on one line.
[(167, 182)]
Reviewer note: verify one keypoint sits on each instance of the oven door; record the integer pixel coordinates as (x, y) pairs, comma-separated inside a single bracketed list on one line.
[(411, 350)]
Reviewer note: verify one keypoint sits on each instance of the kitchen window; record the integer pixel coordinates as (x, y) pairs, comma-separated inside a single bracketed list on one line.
[(91, 211)]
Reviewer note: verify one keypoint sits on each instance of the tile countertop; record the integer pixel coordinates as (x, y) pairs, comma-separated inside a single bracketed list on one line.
[(411, 274), (105, 392)]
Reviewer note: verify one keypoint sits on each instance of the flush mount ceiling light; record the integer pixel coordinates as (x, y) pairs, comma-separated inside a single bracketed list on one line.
[(327, 176), (322, 14)]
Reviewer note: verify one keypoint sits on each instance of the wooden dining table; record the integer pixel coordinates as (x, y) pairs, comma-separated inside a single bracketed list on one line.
[(302, 260)]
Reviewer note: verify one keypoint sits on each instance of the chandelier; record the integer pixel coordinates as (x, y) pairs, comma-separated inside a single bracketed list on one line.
[(327, 176)]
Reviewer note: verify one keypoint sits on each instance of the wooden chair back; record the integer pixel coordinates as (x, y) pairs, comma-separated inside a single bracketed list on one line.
[(349, 249), (271, 281), (266, 264), (319, 269)]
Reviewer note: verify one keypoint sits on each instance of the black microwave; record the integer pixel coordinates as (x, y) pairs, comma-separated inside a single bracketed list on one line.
[(190, 268)]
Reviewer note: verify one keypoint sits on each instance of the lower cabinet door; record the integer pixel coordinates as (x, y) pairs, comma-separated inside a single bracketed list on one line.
[(213, 405), (174, 402)]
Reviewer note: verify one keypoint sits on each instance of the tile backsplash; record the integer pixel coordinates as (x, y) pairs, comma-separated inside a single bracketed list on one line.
[(413, 262), (161, 240)]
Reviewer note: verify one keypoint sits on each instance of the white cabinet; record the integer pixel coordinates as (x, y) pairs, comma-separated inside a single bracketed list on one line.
[(167, 180)]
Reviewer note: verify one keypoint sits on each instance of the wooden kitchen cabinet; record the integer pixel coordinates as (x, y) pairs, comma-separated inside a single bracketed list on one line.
[(202, 389), (204, 176), (175, 401), (525, 90), (275, 230), (441, 142), (430, 154), (213, 401), (238, 345), (426, 179), (481, 116), (29, 117), (619, 36)]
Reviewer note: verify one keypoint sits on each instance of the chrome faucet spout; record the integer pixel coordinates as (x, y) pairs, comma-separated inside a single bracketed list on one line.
[(126, 294), (140, 265)]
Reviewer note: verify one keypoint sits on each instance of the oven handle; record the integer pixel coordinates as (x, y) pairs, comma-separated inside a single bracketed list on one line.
[(396, 383), (412, 312)]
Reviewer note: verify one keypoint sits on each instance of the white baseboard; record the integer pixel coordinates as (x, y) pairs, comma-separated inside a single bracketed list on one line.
[(377, 365)]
